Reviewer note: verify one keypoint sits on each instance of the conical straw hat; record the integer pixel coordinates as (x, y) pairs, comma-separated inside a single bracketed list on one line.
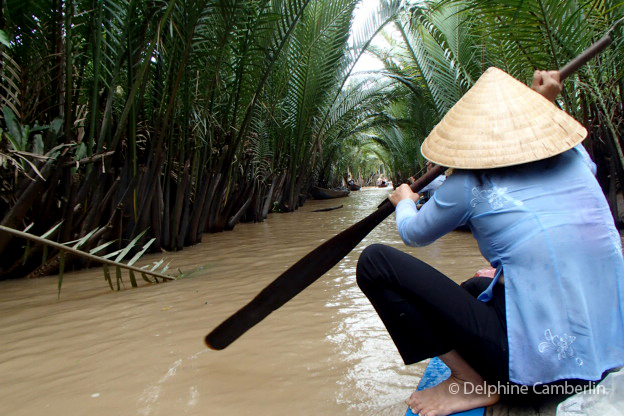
[(501, 122)]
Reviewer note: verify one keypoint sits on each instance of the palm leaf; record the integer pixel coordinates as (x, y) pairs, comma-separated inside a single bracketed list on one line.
[(70, 250)]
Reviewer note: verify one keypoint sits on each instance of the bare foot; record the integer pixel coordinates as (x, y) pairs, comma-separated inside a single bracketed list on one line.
[(451, 396)]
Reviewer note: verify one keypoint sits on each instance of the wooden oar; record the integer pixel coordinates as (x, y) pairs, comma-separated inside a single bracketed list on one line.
[(305, 272), (316, 263)]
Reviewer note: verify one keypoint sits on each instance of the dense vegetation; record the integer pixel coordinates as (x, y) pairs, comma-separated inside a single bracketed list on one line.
[(181, 117)]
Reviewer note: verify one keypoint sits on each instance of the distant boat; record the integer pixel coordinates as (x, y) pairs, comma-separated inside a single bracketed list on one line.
[(354, 187), (323, 193)]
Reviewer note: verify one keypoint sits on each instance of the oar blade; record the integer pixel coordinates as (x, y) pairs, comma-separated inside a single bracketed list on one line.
[(294, 280)]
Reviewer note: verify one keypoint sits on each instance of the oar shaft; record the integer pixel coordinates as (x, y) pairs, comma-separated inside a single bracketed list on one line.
[(588, 54)]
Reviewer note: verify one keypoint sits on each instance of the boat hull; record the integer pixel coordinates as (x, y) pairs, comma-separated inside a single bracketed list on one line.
[(323, 193)]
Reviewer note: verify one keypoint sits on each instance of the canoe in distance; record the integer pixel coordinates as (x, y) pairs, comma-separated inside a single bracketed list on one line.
[(323, 193)]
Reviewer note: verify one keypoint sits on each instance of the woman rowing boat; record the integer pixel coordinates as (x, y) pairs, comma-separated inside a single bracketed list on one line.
[(523, 186)]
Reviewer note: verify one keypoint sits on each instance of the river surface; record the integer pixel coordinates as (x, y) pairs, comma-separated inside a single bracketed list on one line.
[(141, 351)]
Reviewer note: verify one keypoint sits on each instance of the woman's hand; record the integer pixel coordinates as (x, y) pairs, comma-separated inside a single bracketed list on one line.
[(403, 192), (547, 83)]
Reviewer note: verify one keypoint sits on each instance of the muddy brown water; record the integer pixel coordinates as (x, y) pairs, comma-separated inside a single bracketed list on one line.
[(141, 351)]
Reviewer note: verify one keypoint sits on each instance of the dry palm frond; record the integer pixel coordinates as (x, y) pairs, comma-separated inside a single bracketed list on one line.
[(72, 247)]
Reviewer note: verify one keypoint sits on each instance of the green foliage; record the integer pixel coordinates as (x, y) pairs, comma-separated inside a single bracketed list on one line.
[(179, 117), (19, 135), (4, 39), (185, 117)]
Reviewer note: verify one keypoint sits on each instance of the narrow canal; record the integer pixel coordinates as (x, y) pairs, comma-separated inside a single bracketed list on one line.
[(141, 351)]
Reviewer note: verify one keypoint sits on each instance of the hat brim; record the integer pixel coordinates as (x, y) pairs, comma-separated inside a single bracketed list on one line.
[(501, 122)]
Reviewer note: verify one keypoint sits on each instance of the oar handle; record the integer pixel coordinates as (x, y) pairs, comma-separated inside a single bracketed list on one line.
[(588, 54)]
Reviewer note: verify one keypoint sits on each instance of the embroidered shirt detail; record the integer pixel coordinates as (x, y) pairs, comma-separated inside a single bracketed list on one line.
[(561, 344), (617, 242), (496, 197)]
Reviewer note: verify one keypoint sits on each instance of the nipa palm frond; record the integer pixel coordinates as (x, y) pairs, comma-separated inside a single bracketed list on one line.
[(73, 248)]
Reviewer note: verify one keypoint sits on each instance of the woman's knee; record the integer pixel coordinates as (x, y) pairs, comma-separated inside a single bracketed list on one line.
[(373, 250), (371, 255), (368, 263)]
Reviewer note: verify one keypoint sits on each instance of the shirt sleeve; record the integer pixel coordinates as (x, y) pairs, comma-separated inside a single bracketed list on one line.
[(440, 215)]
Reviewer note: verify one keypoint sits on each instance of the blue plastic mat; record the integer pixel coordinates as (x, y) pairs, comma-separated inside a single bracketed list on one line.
[(435, 374)]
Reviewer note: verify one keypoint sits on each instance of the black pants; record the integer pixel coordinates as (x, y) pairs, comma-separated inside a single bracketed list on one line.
[(427, 314)]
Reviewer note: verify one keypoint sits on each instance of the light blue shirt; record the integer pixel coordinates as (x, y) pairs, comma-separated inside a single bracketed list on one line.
[(547, 227)]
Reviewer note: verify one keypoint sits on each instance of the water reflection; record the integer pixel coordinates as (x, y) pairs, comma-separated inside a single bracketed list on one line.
[(140, 351)]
